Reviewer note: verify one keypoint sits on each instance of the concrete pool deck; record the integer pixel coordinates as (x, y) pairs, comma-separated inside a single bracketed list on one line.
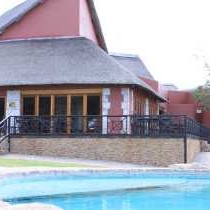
[(82, 162), (98, 165), (202, 161), (92, 165)]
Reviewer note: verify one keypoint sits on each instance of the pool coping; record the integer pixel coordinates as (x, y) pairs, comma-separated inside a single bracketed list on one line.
[(97, 171)]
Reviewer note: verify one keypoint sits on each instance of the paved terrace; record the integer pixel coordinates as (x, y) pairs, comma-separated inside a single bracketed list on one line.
[(201, 162)]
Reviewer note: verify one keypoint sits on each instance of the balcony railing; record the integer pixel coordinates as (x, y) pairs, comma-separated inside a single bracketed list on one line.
[(4, 129), (169, 126)]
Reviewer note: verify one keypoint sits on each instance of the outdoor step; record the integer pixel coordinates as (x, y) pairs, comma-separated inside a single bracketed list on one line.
[(205, 146), (203, 158)]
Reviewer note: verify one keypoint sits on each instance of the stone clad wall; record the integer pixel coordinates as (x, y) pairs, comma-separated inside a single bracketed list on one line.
[(159, 152), (193, 148), (205, 146), (4, 147)]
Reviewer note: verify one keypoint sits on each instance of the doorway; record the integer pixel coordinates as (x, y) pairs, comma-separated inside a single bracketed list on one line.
[(2, 108), (44, 106), (76, 114), (60, 122), (93, 112), (45, 123), (93, 105), (29, 105)]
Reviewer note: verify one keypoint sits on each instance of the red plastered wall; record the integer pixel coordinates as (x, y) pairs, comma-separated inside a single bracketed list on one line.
[(182, 109), (115, 99), (206, 118), (54, 18)]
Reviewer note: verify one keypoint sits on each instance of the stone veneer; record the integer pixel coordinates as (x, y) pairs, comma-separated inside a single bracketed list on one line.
[(159, 152), (4, 147), (205, 146), (193, 148)]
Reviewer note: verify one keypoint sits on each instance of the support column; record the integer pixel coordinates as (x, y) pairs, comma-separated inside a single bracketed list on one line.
[(146, 107), (13, 107), (105, 108), (126, 107), (158, 108)]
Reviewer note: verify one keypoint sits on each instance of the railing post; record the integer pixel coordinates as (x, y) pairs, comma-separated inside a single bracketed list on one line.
[(208, 135), (185, 139), (200, 131), (105, 124), (9, 133)]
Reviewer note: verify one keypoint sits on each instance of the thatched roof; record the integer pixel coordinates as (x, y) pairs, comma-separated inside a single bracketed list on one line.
[(134, 64), (62, 61)]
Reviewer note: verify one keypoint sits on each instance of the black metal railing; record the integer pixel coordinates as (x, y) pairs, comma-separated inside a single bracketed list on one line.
[(171, 126), (4, 129), (194, 128), (69, 125), (158, 126)]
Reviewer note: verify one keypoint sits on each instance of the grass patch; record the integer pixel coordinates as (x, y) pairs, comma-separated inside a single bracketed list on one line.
[(4, 162)]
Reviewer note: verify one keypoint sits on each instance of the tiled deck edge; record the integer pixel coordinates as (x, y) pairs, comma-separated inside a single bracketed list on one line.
[(157, 171)]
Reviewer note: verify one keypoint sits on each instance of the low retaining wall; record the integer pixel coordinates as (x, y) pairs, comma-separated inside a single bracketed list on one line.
[(205, 146), (159, 152), (193, 148), (4, 147)]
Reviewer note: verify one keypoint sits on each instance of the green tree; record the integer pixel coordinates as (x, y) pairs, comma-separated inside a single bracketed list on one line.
[(202, 93)]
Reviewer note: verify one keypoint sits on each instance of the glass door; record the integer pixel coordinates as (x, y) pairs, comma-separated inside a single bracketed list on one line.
[(60, 121), (77, 114), (45, 114), (44, 106), (93, 113), (2, 108), (29, 105)]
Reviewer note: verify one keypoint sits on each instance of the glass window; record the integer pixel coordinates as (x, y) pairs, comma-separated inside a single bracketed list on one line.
[(77, 105), (29, 105), (61, 105), (44, 105), (93, 105), (77, 112)]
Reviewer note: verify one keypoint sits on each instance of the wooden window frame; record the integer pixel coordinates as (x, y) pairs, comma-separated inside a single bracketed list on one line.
[(68, 93)]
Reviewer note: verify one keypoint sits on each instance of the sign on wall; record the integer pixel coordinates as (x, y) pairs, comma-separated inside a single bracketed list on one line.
[(13, 103)]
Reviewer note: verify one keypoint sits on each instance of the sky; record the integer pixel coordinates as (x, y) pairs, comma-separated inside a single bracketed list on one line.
[(172, 37)]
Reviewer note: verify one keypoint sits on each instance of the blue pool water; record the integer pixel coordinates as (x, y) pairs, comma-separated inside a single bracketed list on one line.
[(147, 191)]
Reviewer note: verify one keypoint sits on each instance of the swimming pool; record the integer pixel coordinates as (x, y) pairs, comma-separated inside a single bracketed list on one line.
[(111, 191)]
